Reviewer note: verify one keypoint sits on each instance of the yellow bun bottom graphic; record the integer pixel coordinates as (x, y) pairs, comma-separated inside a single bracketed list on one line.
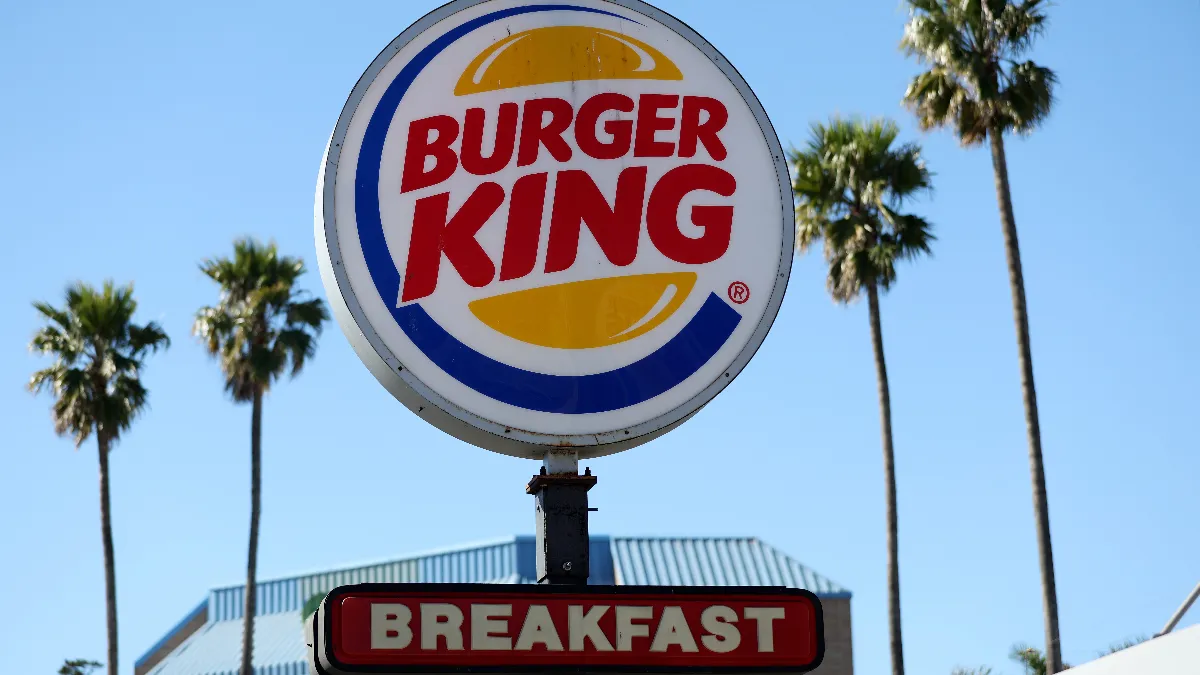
[(586, 314), (564, 54)]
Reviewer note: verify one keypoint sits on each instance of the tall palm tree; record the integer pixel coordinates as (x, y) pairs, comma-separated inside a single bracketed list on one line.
[(262, 327), (849, 184), (979, 86), (98, 356)]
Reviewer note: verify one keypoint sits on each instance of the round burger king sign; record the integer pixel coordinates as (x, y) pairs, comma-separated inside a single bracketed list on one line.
[(554, 224)]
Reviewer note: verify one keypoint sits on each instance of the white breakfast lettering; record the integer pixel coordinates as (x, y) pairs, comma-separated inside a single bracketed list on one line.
[(764, 617)]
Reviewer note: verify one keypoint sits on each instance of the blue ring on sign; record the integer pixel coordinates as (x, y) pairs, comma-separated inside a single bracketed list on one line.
[(639, 381)]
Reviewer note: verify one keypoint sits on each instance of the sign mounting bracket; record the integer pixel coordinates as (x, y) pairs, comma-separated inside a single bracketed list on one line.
[(561, 512)]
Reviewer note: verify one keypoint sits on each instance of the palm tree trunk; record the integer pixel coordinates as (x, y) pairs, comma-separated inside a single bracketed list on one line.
[(889, 475), (252, 556), (1033, 429), (110, 566)]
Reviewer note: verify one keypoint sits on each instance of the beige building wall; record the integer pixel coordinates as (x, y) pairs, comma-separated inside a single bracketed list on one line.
[(839, 656)]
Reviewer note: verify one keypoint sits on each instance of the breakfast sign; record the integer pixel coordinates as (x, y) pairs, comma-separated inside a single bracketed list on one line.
[(556, 229), (437, 628)]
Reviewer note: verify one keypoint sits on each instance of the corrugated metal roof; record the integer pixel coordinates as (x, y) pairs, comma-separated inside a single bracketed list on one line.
[(201, 609), (690, 561), (638, 561), (468, 564), (216, 649)]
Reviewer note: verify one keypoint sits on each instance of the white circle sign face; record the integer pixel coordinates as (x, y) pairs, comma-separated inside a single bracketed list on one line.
[(546, 225)]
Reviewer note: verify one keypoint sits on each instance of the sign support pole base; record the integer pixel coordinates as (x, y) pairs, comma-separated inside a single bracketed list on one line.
[(561, 510)]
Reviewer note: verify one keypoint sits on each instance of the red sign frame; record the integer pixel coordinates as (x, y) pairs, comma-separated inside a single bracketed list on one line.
[(410, 629)]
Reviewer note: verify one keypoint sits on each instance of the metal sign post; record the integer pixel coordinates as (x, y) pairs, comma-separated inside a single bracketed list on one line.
[(561, 508)]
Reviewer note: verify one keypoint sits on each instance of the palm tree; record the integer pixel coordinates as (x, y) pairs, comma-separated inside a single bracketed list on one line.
[(978, 86), (849, 183), (262, 327), (98, 356)]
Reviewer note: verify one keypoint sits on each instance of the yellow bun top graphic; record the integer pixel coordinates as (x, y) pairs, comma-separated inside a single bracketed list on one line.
[(586, 314), (564, 54)]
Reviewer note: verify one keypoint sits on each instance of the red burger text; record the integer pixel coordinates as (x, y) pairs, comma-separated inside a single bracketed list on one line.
[(439, 146)]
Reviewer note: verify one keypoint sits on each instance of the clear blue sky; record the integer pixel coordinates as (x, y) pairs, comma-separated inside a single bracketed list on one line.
[(140, 137)]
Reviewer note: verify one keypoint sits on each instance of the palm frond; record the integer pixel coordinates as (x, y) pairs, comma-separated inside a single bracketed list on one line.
[(1018, 25), (78, 667), (213, 326), (130, 399), (1028, 96), (1123, 645), (295, 346), (1030, 658), (904, 173), (939, 98), (311, 313), (150, 337), (60, 318), (50, 340)]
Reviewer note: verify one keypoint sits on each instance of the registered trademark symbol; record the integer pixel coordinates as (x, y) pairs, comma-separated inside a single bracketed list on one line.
[(739, 292)]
